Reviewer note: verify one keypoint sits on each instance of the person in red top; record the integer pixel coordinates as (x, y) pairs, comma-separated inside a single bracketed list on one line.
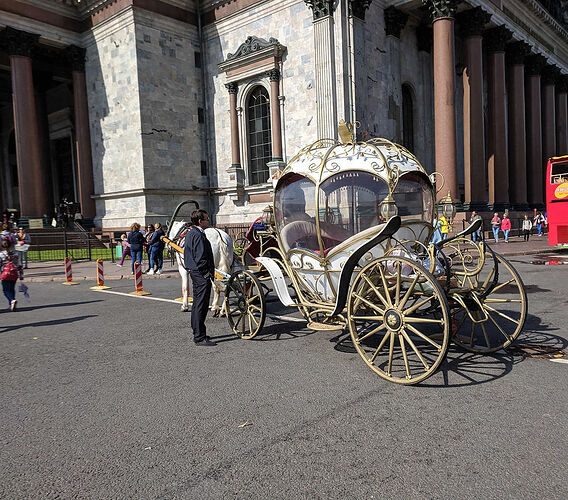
[(495, 225), (506, 226)]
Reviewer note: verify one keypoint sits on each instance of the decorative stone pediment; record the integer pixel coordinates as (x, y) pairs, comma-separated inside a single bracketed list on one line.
[(254, 56)]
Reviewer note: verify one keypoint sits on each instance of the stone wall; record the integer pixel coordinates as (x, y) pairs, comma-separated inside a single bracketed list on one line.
[(114, 112), (290, 22)]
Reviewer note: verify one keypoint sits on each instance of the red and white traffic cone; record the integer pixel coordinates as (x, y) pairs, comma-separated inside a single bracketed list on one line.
[(100, 277), (138, 280), (68, 273)]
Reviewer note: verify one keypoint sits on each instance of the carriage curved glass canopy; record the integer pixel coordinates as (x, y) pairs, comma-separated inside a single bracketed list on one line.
[(347, 203)]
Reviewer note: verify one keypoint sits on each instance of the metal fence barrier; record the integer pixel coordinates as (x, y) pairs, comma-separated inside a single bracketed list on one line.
[(70, 244)]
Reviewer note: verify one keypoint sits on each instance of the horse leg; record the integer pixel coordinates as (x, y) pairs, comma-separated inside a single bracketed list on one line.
[(215, 304), (184, 289)]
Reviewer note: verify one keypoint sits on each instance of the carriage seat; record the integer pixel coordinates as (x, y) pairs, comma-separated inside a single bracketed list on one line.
[(306, 233)]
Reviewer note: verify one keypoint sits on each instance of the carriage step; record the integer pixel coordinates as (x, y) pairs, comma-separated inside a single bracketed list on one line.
[(316, 325)]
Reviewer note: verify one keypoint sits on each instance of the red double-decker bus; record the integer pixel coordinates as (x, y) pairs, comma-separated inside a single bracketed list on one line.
[(557, 200)]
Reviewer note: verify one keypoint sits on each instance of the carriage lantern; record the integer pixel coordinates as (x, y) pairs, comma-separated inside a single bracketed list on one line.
[(268, 216), (388, 207), (448, 207)]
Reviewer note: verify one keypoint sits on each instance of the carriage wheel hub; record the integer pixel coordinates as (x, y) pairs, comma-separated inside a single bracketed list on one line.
[(242, 304), (393, 319)]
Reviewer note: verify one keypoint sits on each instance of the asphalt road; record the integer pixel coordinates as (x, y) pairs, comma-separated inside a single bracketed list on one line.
[(105, 396)]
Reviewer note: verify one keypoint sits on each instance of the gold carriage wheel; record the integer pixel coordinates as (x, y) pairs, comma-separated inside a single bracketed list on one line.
[(398, 318), (492, 314), (245, 304)]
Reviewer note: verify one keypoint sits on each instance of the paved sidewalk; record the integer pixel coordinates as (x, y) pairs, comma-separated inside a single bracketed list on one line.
[(55, 271)]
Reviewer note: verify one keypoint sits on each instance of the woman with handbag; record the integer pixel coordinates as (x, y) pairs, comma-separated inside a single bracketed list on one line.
[(10, 271)]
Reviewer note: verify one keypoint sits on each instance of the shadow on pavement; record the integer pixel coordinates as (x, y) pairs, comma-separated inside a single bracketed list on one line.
[(50, 306), (463, 368), (54, 322)]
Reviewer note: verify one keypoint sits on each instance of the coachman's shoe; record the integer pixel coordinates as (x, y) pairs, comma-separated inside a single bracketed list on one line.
[(205, 342)]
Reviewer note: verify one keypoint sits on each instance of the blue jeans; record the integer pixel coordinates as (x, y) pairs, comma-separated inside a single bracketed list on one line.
[(156, 258), (9, 289), (539, 228), (506, 233), (476, 236), (496, 233), (136, 257), (24, 259)]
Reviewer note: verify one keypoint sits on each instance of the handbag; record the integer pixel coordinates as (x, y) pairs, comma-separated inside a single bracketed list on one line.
[(9, 273)]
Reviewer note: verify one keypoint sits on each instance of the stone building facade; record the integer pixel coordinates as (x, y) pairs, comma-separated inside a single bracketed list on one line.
[(128, 107)]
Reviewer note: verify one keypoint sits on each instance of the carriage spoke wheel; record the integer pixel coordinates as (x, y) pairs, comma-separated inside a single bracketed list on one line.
[(492, 314), (398, 318), (245, 304)]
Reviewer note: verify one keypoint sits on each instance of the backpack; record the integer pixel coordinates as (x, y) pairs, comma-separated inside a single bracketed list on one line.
[(10, 272)]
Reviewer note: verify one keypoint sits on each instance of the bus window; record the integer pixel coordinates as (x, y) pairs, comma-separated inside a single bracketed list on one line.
[(559, 173)]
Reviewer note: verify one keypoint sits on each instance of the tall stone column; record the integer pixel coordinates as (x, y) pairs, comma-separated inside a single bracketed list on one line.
[(535, 169), (516, 53), (472, 23), (236, 172), (498, 158), (31, 176), (276, 164), (274, 76), (233, 88), (548, 79), (395, 20), (443, 12), (562, 116), (326, 98), (82, 133)]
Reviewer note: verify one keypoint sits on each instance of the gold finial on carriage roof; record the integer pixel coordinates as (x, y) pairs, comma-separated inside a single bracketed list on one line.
[(346, 132)]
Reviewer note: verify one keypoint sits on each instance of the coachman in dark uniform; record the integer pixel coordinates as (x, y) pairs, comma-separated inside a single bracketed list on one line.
[(198, 259)]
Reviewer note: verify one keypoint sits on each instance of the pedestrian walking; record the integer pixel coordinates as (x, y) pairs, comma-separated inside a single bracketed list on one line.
[(437, 234), (476, 235), (495, 226), (539, 223), (147, 237), (136, 240), (10, 271), (125, 249), (156, 250), (445, 227), (527, 227), (506, 226), (198, 259), (23, 238)]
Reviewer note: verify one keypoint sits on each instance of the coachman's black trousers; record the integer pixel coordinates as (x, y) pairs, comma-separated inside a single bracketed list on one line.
[(201, 296)]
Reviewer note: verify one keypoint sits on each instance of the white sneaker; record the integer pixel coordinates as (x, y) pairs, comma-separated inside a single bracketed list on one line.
[(159, 271), (119, 265), (151, 271), (13, 305)]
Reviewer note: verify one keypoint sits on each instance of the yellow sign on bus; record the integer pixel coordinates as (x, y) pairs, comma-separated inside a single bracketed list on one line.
[(561, 191)]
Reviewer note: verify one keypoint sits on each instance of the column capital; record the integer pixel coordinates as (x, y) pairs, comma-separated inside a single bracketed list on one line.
[(395, 20), (440, 9), (495, 39), (517, 52), (357, 8), (424, 38), (321, 8), (20, 43), (534, 64), (550, 74), (232, 87), (562, 84), (76, 56), (273, 75), (472, 21)]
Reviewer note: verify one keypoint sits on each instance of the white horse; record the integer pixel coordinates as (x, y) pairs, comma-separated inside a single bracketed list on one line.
[(222, 246)]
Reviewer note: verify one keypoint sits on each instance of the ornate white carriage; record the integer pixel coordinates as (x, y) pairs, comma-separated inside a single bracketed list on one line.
[(352, 222)]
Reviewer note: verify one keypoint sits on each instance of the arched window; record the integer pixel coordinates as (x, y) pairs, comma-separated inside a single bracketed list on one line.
[(407, 118), (259, 135)]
